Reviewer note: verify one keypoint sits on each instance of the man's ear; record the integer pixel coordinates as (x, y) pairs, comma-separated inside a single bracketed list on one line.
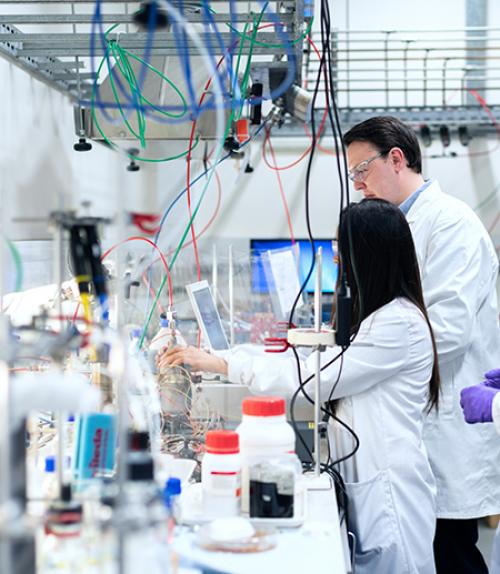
[(397, 158)]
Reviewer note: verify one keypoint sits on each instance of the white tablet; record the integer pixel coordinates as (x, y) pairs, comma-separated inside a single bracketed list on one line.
[(207, 315)]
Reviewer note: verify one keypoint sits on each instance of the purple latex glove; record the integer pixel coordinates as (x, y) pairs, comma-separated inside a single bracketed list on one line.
[(492, 378), (476, 403)]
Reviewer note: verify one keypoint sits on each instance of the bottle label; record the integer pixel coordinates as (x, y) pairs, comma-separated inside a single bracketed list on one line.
[(225, 483)]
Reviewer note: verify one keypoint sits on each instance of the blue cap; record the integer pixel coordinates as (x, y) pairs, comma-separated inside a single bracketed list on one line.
[(172, 488), (135, 333), (71, 418), (50, 463)]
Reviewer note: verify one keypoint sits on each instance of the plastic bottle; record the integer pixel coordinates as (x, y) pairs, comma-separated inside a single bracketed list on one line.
[(146, 545), (167, 336), (264, 433), (221, 474), (49, 488), (135, 337), (171, 493), (140, 486), (62, 549), (161, 338)]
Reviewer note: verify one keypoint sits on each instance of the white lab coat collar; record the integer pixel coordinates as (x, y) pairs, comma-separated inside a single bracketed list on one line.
[(420, 205)]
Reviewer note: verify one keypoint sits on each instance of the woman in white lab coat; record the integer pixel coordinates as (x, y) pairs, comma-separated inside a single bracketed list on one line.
[(388, 379)]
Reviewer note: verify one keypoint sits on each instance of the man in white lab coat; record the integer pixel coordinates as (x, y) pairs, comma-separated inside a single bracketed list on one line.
[(459, 268), (481, 404)]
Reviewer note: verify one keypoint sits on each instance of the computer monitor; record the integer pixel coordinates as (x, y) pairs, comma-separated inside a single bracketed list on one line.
[(207, 315), (330, 268)]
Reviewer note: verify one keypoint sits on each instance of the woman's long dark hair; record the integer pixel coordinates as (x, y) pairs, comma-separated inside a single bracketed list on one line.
[(385, 265)]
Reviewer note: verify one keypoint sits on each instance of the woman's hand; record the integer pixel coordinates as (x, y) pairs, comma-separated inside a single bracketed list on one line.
[(195, 358)]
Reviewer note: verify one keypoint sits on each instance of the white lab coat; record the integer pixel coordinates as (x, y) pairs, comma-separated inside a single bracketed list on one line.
[(459, 269), (495, 553), (384, 386)]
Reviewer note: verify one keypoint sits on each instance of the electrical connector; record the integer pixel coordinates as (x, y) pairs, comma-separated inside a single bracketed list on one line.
[(343, 315)]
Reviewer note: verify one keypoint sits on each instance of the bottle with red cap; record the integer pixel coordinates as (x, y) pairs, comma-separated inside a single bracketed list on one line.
[(264, 433), (221, 474)]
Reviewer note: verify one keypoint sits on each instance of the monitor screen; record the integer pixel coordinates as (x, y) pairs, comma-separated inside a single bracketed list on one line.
[(330, 268), (208, 316)]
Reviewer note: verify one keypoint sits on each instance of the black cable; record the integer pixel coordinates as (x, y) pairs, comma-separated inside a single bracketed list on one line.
[(338, 376), (326, 59), (307, 190), (326, 410), (292, 408), (337, 130)]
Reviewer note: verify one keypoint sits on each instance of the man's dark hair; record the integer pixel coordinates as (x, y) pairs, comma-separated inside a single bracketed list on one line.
[(386, 132)]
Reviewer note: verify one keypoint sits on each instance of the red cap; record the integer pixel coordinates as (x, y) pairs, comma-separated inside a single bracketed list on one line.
[(222, 442), (242, 132), (263, 406)]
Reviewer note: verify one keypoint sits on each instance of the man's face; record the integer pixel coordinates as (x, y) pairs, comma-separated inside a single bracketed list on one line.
[(373, 174)]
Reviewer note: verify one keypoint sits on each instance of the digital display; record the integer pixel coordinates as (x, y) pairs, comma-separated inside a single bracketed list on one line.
[(330, 268), (212, 326)]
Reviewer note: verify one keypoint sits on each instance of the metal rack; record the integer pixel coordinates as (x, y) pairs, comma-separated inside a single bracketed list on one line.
[(431, 77), (50, 39), (421, 76)]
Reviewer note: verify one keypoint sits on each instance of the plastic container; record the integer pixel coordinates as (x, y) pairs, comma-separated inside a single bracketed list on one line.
[(161, 338), (264, 429), (49, 488), (273, 487), (135, 337), (167, 335), (264, 432), (171, 494), (221, 474)]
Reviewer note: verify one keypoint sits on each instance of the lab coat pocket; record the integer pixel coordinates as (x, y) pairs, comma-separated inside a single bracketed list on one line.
[(373, 522)]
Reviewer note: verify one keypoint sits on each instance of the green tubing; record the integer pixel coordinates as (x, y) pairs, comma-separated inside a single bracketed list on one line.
[(128, 74), (184, 235), (268, 45), (16, 256), (121, 57), (246, 75)]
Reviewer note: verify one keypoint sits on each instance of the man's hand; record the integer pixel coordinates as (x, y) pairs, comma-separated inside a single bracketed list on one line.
[(195, 358)]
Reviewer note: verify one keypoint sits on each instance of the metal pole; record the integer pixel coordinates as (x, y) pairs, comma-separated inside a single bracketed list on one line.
[(58, 279), (347, 25), (5, 463), (406, 71), (476, 16), (214, 272), (425, 76), (231, 296), (121, 379), (386, 56), (317, 378)]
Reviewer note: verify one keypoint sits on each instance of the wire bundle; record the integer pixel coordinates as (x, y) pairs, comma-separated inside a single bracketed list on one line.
[(127, 85), (325, 73)]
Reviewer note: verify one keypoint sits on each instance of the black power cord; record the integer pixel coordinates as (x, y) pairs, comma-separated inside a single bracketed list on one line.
[(344, 335)]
